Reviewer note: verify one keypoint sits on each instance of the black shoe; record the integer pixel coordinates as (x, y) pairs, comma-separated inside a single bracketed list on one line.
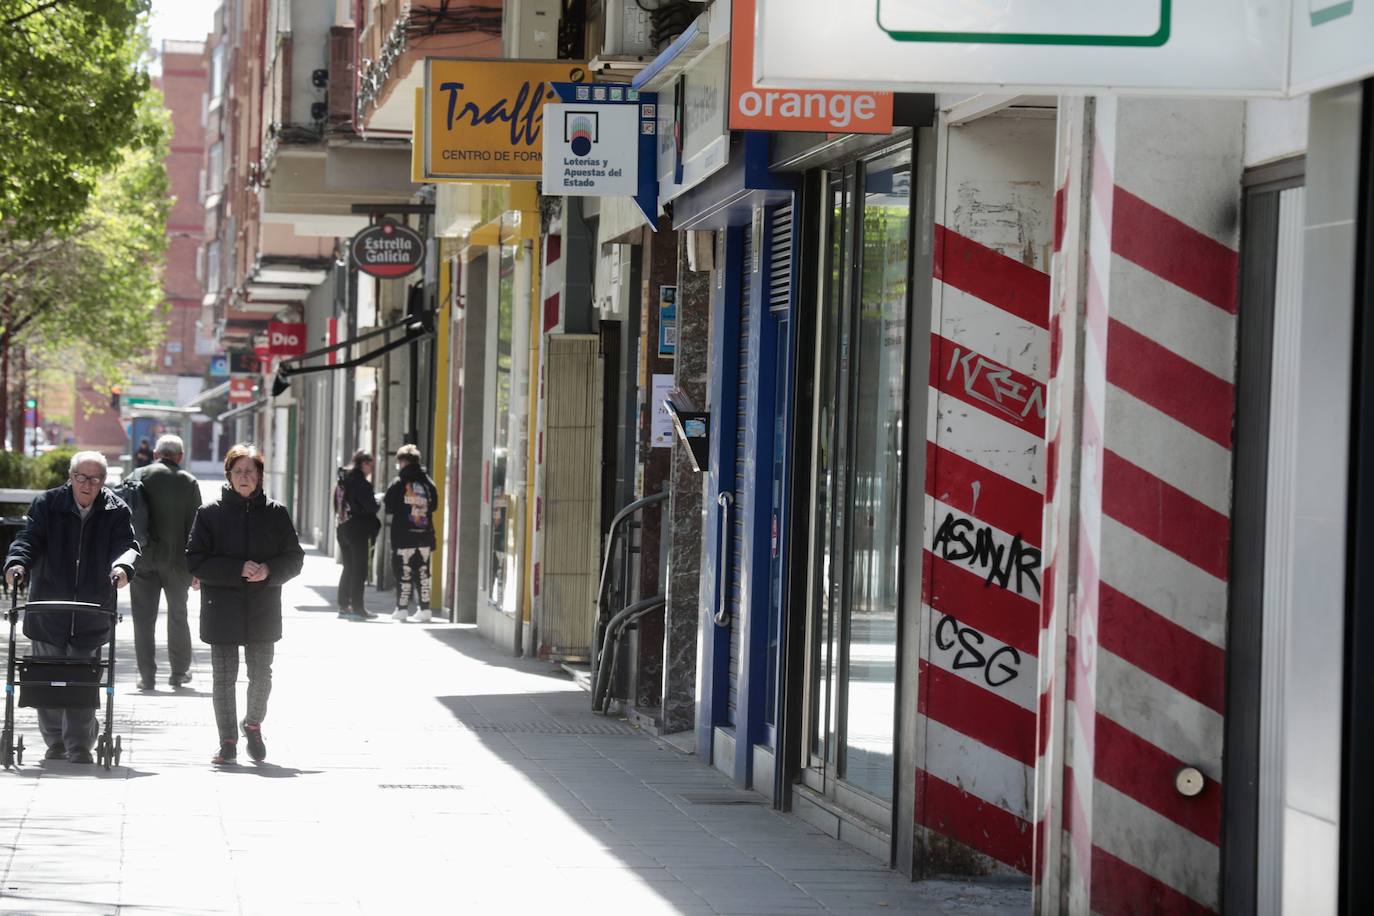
[(256, 749), (147, 684), (177, 680), (56, 752), (80, 755), (228, 753)]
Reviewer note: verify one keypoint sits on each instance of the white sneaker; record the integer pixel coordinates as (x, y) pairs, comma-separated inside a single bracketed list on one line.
[(399, 615), (422, 616)]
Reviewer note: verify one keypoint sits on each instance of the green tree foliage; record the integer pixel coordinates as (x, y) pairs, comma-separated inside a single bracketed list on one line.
[(49, 469), (71, 82), (93, 292), (14, 472), (42, 472)]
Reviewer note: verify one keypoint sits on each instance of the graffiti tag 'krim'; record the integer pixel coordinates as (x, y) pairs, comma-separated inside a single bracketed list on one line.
[(524, 113), (1002, 561), (1000, 667), (993, 384)]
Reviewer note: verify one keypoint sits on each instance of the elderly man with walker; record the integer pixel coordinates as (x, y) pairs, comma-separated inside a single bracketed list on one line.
[(78, 545)]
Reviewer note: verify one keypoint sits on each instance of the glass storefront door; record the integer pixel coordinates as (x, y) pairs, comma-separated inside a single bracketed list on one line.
[(499, 571), (857, 490)]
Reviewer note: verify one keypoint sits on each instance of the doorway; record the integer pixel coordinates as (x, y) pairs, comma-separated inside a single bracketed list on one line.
[(857, 460)]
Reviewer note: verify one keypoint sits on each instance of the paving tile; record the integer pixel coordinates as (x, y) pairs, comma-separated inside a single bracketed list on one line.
[(438, 791)]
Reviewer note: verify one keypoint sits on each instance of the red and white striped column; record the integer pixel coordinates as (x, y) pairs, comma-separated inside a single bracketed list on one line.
[(985, 473), (552, 284), (1137, 531)]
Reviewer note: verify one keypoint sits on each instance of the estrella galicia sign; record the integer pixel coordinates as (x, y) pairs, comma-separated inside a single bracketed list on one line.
[(387, 250)]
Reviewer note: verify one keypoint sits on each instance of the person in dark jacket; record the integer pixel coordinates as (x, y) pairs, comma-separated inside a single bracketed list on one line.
[(78, 545), (410, 501), (242, 548), (355, 507), (173, 496)]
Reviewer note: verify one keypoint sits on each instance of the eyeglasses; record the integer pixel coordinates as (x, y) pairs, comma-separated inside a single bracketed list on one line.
[(85, 479), (244, 473)]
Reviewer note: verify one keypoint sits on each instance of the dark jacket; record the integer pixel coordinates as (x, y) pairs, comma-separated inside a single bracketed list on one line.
[(70, 560), (410, 501), (173, 497), (226, 534), (356, 504)]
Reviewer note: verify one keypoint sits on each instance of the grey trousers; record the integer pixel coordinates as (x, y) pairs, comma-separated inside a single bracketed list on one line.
[(224, 667), (144, 593), (75, 729)]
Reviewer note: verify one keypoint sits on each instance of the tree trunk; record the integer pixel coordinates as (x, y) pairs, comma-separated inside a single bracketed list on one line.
[(19, 433), (5, 338)]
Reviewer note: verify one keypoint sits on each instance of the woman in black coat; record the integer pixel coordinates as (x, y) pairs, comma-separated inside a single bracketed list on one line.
[(242, 548), (355, 505)]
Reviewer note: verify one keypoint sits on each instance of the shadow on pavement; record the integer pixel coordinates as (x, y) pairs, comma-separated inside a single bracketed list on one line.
[(188, 692), (329, 594), (466, 639), (61, 769), (317, 609), (266, 770), (696, 842)]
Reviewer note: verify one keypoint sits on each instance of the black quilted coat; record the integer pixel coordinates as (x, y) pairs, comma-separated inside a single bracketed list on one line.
[(226, 534)]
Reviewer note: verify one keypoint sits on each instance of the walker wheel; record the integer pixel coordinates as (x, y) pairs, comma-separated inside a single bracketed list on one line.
[(6, 756), (102, 751), (19, 751), (118, 749)]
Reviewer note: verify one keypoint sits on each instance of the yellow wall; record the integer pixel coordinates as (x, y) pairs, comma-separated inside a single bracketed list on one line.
[(442, 410), (536, 328)]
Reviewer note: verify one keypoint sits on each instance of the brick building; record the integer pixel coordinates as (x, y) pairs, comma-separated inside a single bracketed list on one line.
[(180, 362)]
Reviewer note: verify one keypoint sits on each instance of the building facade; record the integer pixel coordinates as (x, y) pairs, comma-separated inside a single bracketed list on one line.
[(987, 556)]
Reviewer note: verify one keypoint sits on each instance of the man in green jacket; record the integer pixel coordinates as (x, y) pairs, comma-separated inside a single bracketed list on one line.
[(173, 496)]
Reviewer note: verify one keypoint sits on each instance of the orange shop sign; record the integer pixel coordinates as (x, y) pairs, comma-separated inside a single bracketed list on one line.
[(485, 118), (821, 110)]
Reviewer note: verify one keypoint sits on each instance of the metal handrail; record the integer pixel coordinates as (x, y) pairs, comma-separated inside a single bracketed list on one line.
[(601, 683), (614, 535), (726, 501), (600, 628)]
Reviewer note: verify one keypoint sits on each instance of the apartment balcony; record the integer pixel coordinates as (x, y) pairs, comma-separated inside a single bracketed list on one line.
[(312, 189), (315, 163), (402, 33)]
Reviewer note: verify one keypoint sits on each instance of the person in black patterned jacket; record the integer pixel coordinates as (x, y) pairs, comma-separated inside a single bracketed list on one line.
[(410, 501)]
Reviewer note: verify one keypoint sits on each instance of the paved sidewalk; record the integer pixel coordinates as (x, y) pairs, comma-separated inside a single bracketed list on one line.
[(415, 767)]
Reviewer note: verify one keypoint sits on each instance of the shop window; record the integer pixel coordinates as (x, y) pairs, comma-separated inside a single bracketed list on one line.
[(503, 528), (857, 485)]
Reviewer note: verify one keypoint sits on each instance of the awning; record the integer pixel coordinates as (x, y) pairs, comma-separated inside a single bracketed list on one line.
[(675, 58), (619, 218), (207, 394), (729, 196), (415, 327), (230, 414)]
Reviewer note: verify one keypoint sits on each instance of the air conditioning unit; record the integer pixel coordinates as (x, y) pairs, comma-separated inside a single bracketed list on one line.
[(531, 29), (626, 30)]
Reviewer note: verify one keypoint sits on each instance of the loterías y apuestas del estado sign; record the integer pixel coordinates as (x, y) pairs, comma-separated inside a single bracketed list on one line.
[(387, 250)]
